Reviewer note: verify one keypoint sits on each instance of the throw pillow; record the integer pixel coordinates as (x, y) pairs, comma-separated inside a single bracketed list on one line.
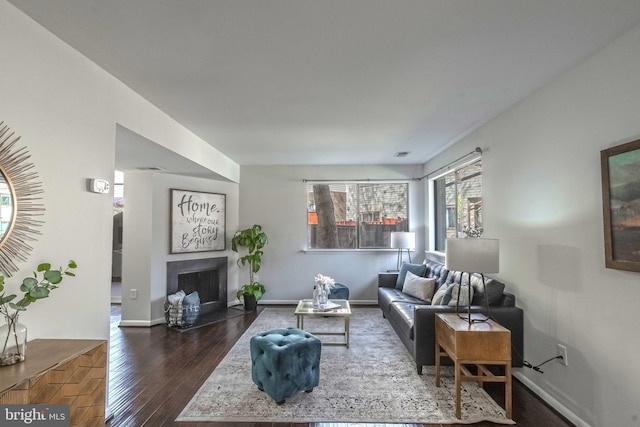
[(447, 295), (439, 296), (417, 269), (464, 295), (192, 298), (419, 287), (494, 291)]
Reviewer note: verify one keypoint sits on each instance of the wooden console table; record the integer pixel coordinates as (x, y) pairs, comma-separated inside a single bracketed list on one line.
[(60, 371), (479, 344)]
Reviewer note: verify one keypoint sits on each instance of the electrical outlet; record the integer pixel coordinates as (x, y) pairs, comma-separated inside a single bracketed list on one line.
[(134, 293), (562, 351)]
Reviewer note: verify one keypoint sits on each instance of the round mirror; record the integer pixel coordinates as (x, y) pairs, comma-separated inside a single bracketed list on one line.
[(6, 206), (18, 206)]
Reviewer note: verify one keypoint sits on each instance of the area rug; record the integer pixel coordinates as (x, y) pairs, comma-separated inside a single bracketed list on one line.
[(372, 381)]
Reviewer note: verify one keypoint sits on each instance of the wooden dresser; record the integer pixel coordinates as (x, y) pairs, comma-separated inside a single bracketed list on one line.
[(60, 371)]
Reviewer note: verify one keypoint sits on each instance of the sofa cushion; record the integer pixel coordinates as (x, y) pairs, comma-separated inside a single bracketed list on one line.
[(419, 287), (417, 269), (436, 271), (402, 314), (386, 296)]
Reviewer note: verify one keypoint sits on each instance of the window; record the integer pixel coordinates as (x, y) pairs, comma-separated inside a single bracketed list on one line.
[(457, 202), (342, 215)]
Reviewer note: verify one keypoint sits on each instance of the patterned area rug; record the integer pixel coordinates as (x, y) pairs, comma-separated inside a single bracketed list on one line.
[(373, 381)]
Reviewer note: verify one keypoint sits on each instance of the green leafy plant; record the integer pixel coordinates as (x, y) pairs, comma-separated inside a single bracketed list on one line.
[(256, 289), (34, 288), (252, 240)]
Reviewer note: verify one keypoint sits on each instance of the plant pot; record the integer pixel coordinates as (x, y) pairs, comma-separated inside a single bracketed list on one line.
[(250, 303)]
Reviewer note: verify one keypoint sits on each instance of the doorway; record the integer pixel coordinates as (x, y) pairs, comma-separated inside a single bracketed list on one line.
[(116, 254)]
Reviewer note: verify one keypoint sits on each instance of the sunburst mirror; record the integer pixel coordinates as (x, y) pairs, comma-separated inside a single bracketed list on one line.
[(19, 202)]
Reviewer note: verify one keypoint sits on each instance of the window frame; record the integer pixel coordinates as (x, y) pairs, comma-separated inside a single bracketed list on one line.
[(359, 214)]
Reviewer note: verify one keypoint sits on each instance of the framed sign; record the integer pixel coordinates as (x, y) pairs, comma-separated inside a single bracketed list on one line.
[(197, 221), (621, 205)]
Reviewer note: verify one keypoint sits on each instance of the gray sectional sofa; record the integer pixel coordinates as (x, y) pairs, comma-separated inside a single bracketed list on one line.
[(413, 319)]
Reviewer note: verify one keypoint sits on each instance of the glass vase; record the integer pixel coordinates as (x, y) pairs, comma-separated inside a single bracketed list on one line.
[(320, 297), (13, 341), (323, 297)]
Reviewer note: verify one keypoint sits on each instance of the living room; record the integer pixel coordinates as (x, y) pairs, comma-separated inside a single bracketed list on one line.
[(541, 189)]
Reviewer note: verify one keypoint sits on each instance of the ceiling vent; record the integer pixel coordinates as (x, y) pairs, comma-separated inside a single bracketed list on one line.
[(150, 168), (401, 154)]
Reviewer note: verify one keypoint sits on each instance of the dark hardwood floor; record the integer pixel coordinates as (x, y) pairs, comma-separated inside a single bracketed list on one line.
[(154, 372)]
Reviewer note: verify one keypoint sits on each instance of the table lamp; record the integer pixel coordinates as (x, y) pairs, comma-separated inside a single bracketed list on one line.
[(472, 256), (402, 240)]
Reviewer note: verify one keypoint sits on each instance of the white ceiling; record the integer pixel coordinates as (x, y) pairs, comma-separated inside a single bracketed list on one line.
[(334, 81)]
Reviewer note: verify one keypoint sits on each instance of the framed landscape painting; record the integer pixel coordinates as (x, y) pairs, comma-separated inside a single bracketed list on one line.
[(197, 221), (620, 167)]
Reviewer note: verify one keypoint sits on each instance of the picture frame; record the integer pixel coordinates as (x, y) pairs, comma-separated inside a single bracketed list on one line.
[(198, 221), (620, 167)]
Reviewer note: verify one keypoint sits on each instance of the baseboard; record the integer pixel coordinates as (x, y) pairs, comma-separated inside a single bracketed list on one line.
[(116, 300), (160, 321), (551, 401), (135, 323)]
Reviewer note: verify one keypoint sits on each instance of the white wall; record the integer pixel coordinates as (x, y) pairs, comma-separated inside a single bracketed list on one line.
[(146, 249), (542, 193), (66, 109), (274, 197)]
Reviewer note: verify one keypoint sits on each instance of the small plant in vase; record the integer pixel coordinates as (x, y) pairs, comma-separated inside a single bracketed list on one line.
[(322, 289), (13, 334)]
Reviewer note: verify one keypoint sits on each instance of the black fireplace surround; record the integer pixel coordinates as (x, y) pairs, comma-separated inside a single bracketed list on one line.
[(208, 276)]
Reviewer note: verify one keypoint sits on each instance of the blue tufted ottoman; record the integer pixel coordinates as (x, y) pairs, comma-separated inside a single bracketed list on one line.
[(339, 291), (285, 362)]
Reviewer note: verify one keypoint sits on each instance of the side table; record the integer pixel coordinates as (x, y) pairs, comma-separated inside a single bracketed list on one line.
[(480, 344)]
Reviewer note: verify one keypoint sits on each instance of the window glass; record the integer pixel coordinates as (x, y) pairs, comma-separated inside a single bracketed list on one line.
[(457, 201), (355, 216)]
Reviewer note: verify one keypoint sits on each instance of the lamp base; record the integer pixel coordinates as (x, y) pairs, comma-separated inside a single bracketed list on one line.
[(468, 317), (399, 262)]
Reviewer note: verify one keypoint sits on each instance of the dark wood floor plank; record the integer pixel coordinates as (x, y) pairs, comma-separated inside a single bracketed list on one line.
[(154, 372)]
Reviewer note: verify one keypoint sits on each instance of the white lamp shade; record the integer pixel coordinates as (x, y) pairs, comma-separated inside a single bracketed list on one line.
[(473, 255), (403, 240)]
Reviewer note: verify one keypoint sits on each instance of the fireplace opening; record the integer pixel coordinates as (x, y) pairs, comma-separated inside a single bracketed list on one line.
[(208, 276), (205, 282)]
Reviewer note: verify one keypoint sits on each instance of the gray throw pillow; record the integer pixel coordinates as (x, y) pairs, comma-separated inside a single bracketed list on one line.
[(192, 298), (439, 296), (419, 287), (417, 269), (448, 294), (463, 301), (494, 290)]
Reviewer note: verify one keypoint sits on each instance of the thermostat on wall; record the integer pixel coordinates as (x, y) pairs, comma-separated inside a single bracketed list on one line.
[(98, 185)]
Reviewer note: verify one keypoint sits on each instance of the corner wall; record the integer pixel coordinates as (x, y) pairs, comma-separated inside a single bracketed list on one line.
[(66, 108), (274, 197), (146, 248), (543, 200)]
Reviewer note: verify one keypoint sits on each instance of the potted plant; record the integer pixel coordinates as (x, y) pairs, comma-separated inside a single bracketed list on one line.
[(252, 240), (13, 334)]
